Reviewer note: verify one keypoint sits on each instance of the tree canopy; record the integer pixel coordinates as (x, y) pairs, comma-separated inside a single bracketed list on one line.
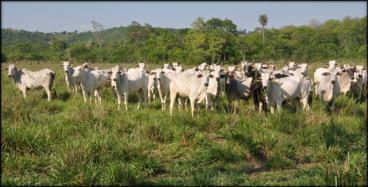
[(213, 40)]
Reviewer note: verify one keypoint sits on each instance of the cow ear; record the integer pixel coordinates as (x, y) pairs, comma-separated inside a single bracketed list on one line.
[(199, 75), (325, 74)]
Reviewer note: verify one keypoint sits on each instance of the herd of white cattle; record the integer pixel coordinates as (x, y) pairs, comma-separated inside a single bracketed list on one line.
[(269, 87)]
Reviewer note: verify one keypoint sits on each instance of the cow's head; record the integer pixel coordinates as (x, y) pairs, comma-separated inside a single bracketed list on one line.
[(86, 66), (168, 66), (178, 69), (141, 66), (333, 76), (217, 71), (291, 65), (203, 66), (115, 74), (66, 65), (12, 70), (77, 71), (332, 64), (212, 83), (265, 77)]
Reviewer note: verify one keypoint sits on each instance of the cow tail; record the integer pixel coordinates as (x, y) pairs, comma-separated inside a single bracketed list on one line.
[(52, 83)]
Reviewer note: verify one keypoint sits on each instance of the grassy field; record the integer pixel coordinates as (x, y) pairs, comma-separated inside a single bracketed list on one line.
[(69, 142)]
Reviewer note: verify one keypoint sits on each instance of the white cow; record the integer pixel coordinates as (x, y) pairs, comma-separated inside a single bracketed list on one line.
[(288, 88), (132, 81), (301, 69), (197, 86), (25, 79), (345, 79), (328, 89), (71, 82), (319, 71), (91, 82), (152, 84), (359, 86), (164, 77)]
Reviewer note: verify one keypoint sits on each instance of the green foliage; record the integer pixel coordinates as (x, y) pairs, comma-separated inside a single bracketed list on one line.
[(213, 40)]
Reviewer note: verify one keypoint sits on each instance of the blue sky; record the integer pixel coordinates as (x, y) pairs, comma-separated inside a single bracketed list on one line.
[(70, 16)]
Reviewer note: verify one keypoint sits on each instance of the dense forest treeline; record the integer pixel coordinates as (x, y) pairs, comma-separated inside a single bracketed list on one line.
[(212, 40)]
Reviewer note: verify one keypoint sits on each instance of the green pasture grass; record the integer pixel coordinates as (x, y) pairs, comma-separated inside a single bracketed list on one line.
[(69, 142)]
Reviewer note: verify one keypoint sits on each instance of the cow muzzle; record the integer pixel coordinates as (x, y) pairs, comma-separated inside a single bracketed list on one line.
[(206, 84), (333, 82), (360, 76)]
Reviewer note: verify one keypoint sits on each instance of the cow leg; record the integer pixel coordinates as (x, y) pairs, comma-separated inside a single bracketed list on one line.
[(260, 107), (126, 101), (67, 84), (186, 104), (279, 105), (207, 103), (149, 95), (162, 99), (180, 103), (172, 101), (119, 100), (163, 102), (48, 92), (316, 89), (192, 105), (98, 95), (154, 95), (298, 104), (95, 94), (305, 103), (84, 95), (139, 99), (90, 97), (145, 99), (24, 91), (272, 107)]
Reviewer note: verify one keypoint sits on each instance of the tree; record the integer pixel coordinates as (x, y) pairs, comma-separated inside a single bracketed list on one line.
[(263, 21), (198, 24), (98, 28)]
